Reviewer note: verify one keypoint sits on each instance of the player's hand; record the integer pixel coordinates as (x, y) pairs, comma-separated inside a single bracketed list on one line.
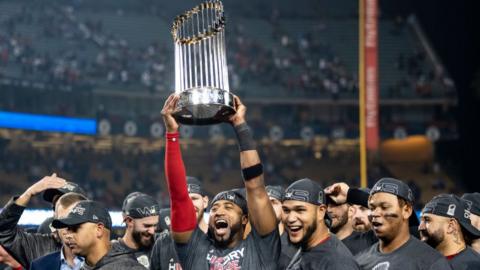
[(47, 182), (239, 117), (168, 109), (338, 192)]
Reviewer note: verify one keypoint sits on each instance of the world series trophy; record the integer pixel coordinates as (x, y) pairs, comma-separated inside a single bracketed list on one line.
[(201, 73)]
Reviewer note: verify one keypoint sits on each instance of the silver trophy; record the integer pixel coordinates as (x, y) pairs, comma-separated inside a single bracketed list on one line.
[(201, 73)]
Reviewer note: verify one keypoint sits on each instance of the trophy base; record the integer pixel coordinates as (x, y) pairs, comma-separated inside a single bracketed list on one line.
[(204, 106)]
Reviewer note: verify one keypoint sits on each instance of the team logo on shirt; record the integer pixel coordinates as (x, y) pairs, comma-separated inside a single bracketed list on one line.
[(231, 261), (172, 265), (143, 260), (382, 266)]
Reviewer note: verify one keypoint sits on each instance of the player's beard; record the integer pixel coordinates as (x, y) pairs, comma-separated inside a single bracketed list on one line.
[(224, 242), (143, 244), (342, 220), (308, 234), (432, 239), (361, 226)]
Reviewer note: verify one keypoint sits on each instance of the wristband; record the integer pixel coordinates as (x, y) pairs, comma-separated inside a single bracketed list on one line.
[(244, 137), (252, 172)]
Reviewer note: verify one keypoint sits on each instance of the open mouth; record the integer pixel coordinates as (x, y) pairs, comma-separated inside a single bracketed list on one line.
[(294, 229), (221, 226), (423, 236), (376, 225)]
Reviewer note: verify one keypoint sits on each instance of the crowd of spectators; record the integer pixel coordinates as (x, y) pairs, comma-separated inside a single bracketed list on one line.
[(86, 53), (83, 54)]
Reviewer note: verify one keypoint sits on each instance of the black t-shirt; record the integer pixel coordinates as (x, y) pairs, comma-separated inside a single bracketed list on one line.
[(288, 251), (468, 259), (142, 256), (413, 255), (255, 252), (357, 241), (330, 254), (164, 256)]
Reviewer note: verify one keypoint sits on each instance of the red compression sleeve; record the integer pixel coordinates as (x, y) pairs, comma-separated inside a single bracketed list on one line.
[(183, 216)]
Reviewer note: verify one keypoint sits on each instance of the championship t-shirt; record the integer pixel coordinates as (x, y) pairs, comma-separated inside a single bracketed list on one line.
[(142, 256), (164, 256), (413, 255), (357, 241), (330, 254), (288, 251), (468, 259), (255, 252)]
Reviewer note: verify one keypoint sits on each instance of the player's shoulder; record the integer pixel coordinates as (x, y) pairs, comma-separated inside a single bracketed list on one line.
[(422, 250)]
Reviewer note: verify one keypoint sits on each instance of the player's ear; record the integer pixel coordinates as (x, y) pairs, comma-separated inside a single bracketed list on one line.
[(205, 201), (321, 212), (244, 219)]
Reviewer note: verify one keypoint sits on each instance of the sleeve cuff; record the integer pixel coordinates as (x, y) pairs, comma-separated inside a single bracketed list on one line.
[(12, 207), (172, 136)]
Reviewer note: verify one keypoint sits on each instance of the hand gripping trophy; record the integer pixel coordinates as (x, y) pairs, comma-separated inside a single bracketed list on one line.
[(201, 73)]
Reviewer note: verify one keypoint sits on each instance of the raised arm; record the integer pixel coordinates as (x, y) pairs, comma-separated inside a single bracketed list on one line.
[(260, 210), (24, 246), (183, 217)]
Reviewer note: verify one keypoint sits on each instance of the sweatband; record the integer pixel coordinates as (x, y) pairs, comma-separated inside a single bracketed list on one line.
[(244, 137), (252, 172)]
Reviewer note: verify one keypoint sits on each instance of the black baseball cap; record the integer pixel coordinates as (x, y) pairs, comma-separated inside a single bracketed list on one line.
[(83, 212), (305, 190), (399, 189), (309, 191), (164, 220), (45, 226), (473, 201), (452, 206), (236, 196), (49, 194), (393, 186), (195, 186), (276, 192), (358, 196), (140, 205)]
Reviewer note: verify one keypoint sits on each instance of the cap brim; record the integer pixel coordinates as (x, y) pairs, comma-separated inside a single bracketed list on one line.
[(66, 222), (474, 233), (329, 200), (49, 194)]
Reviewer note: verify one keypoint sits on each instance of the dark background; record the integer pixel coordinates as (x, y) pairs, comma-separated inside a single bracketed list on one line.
[(452, 27)]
